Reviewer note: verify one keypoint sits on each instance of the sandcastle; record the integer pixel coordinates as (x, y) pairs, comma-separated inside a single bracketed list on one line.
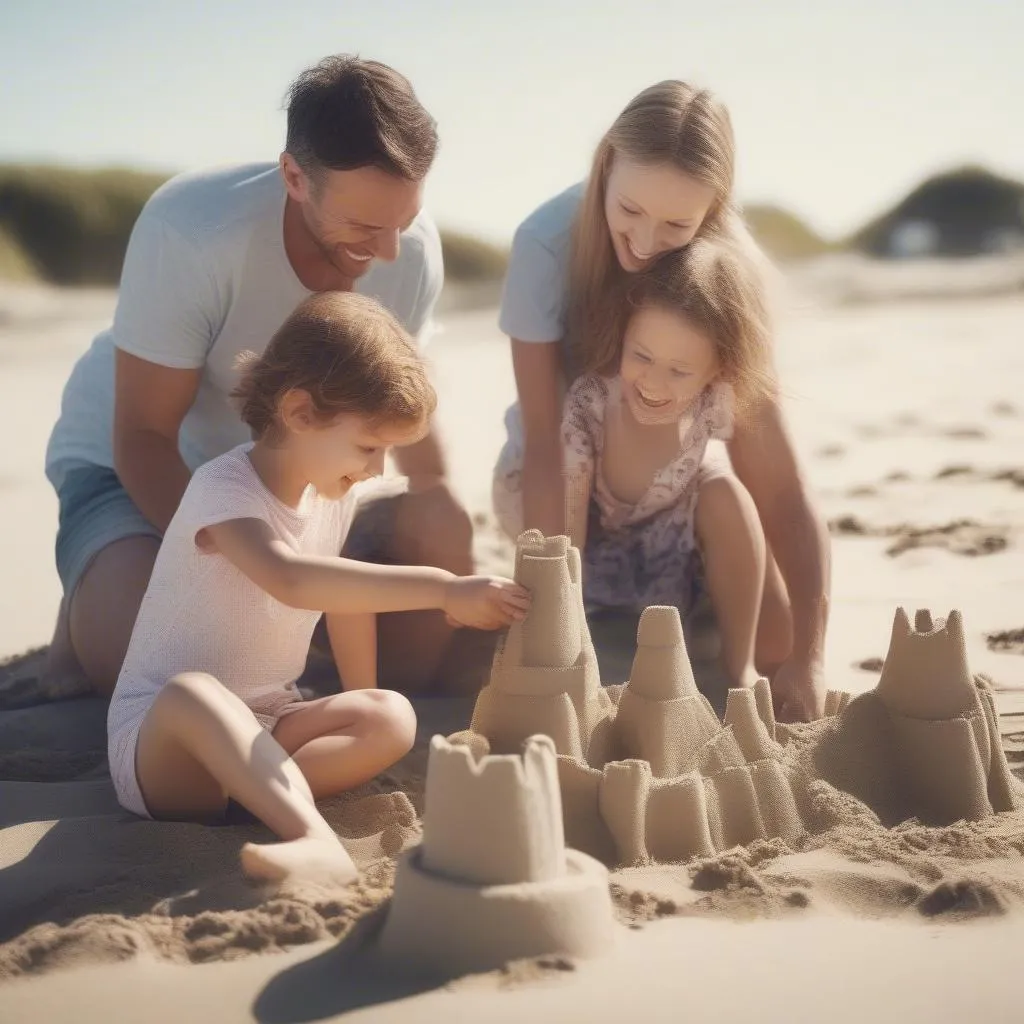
[(925, 742), (649, 773), (647, 770), (492, 879)]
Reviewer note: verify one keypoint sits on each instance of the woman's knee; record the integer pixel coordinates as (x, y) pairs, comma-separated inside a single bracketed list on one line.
[(389, 716)]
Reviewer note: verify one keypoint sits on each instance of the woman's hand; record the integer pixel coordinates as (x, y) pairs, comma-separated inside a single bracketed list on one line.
[(485, 602), (798, 691)]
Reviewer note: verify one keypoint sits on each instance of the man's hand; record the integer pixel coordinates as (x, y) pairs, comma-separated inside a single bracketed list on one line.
[(486, 602), (798, 691)]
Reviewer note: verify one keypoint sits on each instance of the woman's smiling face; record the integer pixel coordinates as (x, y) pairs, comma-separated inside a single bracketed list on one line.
[(651, 210)]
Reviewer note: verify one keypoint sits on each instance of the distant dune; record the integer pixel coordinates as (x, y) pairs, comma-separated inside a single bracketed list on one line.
[(964, 212), (782, 234)]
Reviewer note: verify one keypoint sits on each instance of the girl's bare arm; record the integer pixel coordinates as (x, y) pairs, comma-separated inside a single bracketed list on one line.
[(344, 586)]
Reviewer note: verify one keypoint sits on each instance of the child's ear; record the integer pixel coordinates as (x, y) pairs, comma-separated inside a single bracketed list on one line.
[(297, 411)]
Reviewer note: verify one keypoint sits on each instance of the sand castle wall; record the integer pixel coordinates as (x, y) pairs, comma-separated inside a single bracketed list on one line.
[(647, 772), (492, 879)]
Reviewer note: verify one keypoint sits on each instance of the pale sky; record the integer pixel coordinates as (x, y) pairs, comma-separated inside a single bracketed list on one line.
[(839, 109)]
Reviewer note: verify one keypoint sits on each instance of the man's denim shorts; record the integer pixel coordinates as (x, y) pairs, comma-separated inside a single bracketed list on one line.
[(95, 511)]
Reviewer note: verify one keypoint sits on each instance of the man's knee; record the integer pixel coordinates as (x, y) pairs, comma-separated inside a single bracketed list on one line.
[(436, 530)]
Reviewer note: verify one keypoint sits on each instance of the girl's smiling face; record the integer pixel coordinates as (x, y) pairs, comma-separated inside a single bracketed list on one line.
[(333, 456), (666, 363)]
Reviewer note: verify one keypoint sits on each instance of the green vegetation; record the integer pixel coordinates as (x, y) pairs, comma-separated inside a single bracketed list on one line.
[(471, 260), (970, 209), (71, 227), (782, 234), (14, 264)]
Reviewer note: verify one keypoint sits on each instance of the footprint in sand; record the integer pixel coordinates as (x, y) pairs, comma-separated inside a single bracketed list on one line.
[(956, 470), (907, 419), (1010, 641), (960, 537), (963, 471), (1012, 476), (830, 451), (965, 433)]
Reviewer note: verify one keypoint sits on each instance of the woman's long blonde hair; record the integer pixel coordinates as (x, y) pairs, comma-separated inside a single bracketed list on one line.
[(671, 123)]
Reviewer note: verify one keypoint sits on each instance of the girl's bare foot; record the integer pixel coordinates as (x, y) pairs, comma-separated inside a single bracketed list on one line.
[(311, 856)]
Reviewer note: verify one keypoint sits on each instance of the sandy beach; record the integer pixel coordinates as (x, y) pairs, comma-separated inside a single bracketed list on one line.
[(903, 390)]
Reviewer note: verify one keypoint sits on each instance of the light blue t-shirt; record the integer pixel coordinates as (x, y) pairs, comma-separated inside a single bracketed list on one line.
[(205, 278), (535, 296)]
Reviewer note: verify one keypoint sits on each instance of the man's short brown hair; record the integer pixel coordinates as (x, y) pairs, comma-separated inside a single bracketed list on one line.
[(345, 113)]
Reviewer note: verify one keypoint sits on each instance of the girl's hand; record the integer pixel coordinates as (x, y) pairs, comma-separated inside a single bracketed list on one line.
[(485, 602)]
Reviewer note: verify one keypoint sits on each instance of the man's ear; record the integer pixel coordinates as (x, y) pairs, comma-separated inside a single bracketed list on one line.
[(295, 179)]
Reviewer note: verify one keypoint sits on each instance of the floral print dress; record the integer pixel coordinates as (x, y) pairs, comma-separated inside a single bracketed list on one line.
[(645, 553)]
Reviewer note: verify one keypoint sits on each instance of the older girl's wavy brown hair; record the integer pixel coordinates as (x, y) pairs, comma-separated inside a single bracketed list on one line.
[(349, 354), (716, 285)]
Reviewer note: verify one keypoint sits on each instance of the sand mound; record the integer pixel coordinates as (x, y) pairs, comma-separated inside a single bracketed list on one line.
[(94, 880)]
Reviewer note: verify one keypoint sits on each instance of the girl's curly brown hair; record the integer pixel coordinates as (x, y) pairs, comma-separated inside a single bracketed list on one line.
[(349, 354)]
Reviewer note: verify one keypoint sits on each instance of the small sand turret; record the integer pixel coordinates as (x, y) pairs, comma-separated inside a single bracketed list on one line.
[(492, 880), (545, 679), (925, 742)]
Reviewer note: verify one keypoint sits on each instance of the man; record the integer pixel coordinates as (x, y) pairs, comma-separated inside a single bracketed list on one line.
[(215, 264)]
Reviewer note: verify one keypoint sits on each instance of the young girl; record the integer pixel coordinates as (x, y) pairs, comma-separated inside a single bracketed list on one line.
[(688, 354), (206, 707)]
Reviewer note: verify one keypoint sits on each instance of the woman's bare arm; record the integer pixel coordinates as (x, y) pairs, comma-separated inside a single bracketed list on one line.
[(538, 375), (765, 461)]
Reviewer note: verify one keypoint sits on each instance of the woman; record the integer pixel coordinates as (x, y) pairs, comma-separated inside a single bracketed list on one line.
[(661, 176)]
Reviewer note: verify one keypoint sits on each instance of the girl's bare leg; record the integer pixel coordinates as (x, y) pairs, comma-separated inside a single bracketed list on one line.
[(199, 744), (733, 546), (347, 738)]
